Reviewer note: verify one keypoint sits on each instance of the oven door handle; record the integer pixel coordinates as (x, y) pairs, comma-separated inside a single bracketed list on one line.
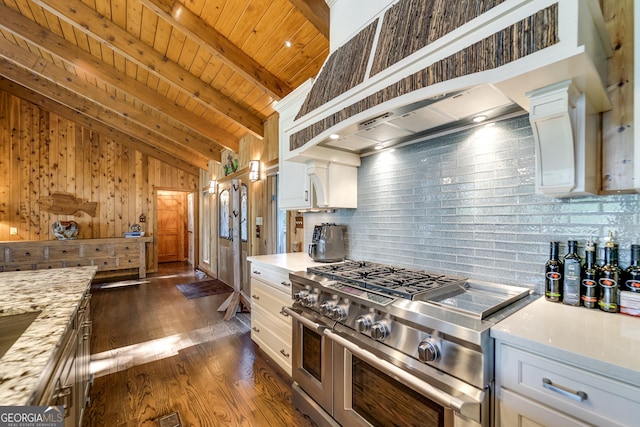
[(297, 315), (469, 407)]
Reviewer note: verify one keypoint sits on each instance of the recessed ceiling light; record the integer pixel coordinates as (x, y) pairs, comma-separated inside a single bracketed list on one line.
[(479, 119), (287, 43), (334, 136), (379, 147)]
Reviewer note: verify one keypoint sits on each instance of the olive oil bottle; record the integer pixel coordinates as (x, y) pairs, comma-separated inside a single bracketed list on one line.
[(609, 299), (589, 285), (553, 275), (571, 276)]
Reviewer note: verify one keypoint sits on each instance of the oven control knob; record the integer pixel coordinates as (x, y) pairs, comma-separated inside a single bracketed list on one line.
[(326, 308), (363, 324), (379, 331), (308, 300), (428, 351), (297, 296), (338, 313)]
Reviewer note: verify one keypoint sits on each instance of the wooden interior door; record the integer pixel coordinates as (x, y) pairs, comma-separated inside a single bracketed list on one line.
[(225, 233), (171, 226)]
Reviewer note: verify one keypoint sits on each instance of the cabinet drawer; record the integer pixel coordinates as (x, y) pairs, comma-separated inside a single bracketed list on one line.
[(270, 343), (63, 252), (26, 254), (559, 386), (98, 251), (279, 324), (517, 411), (278, 278), (269, 298), (49, 265), (106, 263)]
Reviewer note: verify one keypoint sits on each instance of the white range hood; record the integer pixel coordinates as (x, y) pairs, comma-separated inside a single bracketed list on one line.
[(409, 101)]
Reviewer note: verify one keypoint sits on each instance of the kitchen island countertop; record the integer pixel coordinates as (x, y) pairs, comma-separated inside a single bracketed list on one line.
[(56, 293), (605, 343)]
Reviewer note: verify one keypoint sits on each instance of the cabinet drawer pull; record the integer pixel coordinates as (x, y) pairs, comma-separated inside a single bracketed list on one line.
[(256, 330), (580, 396), (283, 283), (256, 297), (284, 313), (284, 353), (256, 272)]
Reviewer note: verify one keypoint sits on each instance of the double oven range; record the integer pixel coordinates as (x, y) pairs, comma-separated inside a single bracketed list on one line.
[(379, 345)]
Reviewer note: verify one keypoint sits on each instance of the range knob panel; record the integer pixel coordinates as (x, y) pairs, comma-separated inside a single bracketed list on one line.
[(379, 331), (428, 351)]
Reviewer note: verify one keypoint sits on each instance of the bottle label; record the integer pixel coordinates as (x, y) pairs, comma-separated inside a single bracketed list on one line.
[(605, 282), (634, 285), (554, 275), (591, 299), (589, 283)]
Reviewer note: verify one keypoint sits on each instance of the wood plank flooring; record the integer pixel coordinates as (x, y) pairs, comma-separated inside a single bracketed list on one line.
[(155, 352)]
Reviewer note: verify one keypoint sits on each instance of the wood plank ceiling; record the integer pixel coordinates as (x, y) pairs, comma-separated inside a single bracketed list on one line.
[(186, 78)]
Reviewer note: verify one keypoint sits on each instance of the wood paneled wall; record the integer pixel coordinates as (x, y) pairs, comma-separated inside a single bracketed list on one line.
[(42, 153)]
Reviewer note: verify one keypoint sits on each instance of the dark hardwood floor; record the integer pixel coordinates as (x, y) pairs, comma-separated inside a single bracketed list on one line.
[(155, 352)]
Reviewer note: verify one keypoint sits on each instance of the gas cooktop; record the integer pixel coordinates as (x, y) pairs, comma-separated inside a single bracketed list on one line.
[(380, 284)]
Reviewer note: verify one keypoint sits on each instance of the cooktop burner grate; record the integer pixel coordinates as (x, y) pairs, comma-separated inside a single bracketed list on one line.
[(402, 282)]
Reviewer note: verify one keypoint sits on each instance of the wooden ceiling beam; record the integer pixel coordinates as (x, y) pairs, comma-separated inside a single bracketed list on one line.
[(95, 25), (108, 104), (316, 12), (216, 44), (78, 58), (191, 164), (65, 97)]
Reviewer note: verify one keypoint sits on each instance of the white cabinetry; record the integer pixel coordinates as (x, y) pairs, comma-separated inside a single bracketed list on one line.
[(320, 178), (533, 389), (270, 326)]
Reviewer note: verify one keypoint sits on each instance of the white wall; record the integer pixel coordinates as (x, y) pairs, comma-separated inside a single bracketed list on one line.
[(349, 16)]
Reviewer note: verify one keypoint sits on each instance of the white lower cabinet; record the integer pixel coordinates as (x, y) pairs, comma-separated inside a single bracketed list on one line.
[(270, 326), (535, 390)]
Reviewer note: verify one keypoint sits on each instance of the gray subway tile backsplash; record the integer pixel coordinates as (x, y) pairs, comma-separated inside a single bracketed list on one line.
[(465, 204)]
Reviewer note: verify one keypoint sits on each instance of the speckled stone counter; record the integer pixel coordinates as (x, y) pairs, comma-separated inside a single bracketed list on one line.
[(56, 293)]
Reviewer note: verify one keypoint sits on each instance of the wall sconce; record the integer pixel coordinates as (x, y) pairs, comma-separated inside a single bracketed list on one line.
[(212, 186), (254, 170)]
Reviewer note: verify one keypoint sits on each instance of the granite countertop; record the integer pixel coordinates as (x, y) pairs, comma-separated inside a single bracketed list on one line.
[(604, 343), (56, 293), (294, 261)]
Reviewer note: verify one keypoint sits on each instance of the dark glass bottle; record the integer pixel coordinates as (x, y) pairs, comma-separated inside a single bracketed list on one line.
[(632, 273), (590, 276), (571, 275), (553, 275), (609, 299)]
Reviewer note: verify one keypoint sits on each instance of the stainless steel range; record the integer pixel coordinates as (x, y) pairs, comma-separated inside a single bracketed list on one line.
[(380, 345)]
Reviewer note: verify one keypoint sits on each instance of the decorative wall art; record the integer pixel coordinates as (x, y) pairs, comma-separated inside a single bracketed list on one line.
[(65, 230), (231, 166), (67, 204)]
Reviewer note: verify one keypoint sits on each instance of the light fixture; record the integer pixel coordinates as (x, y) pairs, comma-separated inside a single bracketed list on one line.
[(254, 170), (480, 118), (334, 136), (287, 43), (379, 147), (212, 186)]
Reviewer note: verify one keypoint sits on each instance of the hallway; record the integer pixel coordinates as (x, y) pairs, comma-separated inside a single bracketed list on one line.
[(155, 352)]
